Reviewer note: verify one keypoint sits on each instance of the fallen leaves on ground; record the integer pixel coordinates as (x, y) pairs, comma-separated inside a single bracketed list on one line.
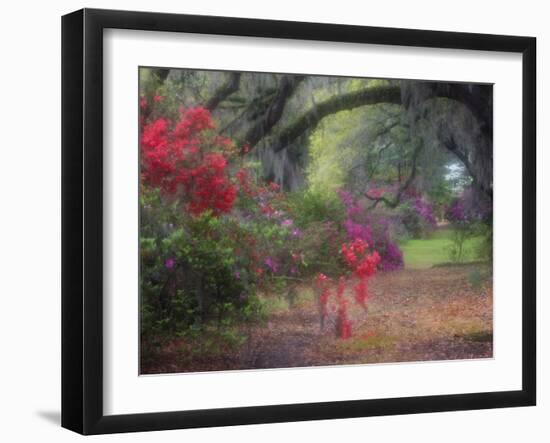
[(413, 315)]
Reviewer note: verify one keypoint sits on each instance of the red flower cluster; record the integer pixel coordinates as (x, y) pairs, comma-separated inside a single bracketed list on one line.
[(343, 323), (274, 187), (209, 186), (361, 263), (250, 188), (367, 266), (245, 185), (363, 266), (183, 160)]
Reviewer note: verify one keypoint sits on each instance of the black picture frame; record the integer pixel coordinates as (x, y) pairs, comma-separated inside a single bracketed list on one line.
[(82, 218)]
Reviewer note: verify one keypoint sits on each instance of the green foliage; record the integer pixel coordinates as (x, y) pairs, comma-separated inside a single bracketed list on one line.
[(331, 152), (319, 243), (310, 206), (462, 246), (193, 270), (413, 222), (440, 195), (457, 249)]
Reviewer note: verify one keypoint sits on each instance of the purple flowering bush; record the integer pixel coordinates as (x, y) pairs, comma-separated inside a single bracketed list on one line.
[(469, 207), (417, 215), (425, 210), (376, 230), (456, 212)]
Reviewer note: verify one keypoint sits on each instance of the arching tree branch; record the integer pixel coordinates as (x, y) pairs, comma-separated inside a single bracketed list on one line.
[(394, 202), (309, 120), (477, 98), (229, 87), (375, 164), (274, 112), (474, 152)]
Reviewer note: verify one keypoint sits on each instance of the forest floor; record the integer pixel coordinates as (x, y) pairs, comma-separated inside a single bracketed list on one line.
[(421, 314)]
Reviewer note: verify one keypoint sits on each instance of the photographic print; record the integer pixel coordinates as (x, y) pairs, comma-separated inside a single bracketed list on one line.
[(295, 220)]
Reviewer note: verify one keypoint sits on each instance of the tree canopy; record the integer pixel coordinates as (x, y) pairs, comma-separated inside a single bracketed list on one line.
[(377, 128)]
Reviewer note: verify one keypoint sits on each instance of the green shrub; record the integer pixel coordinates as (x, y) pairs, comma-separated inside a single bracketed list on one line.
[(308, 207), (194, 269), (416, 225), (320, 244)]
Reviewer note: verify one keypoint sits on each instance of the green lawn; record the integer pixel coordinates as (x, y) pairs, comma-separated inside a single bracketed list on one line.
[(425, 253)]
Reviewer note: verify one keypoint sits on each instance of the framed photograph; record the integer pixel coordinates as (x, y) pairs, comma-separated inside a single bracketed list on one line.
[(270, 221)]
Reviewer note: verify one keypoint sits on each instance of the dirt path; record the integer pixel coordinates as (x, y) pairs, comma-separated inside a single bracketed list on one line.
[(272, 347), (420, 315)]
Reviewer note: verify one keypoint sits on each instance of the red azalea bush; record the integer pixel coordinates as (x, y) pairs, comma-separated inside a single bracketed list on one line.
[(197, 266), (186, 161), (363, 266)]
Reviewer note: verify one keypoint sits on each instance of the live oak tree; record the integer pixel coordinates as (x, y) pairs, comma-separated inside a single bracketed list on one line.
[(399, 125)]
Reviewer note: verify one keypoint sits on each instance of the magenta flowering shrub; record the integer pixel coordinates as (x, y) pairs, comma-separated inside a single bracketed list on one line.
[(392, 256), (416, 214), (425, 210), (456, 212), (372, 229), (358, 231), (469, 207)]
